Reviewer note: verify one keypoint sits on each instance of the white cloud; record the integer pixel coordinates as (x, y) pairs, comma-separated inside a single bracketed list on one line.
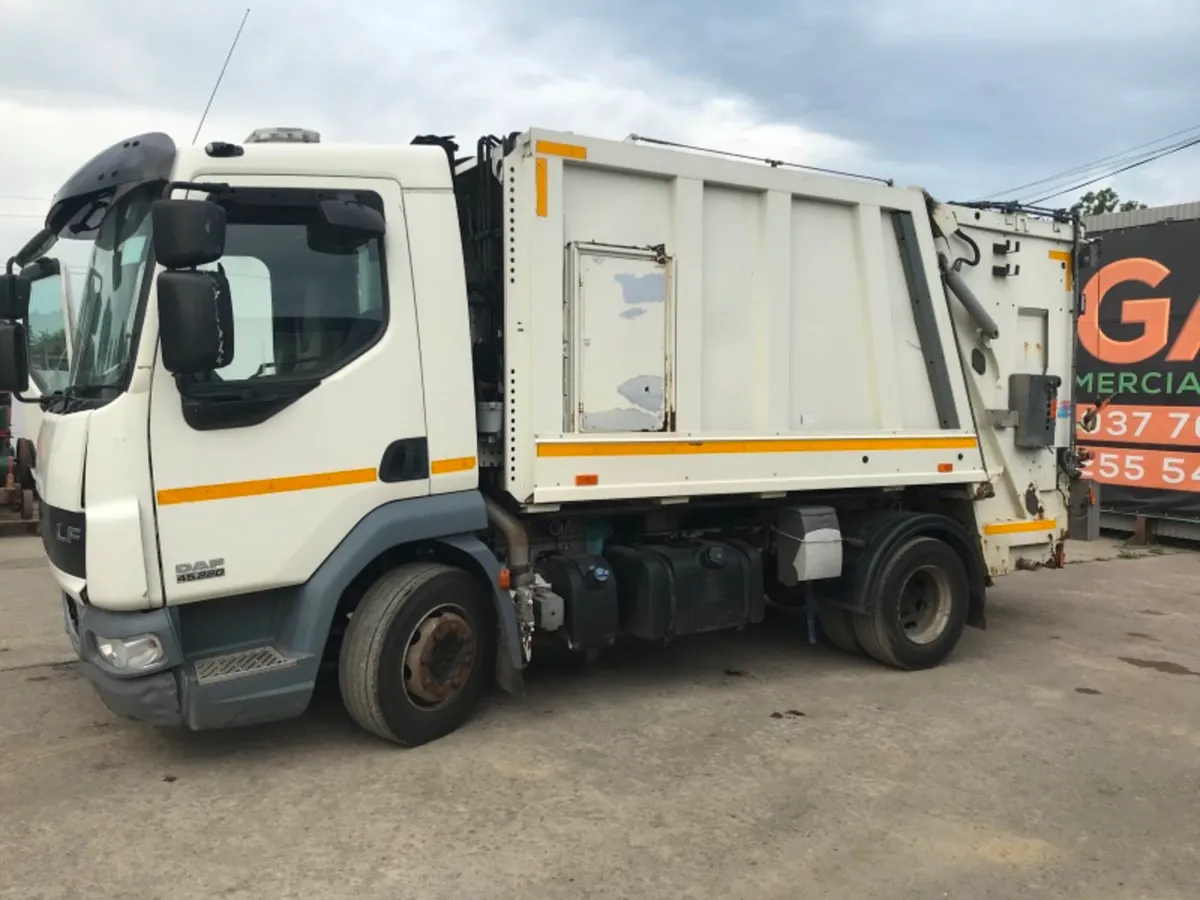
[(386, 70), (54, 136), (1030, 23), (372, 72)]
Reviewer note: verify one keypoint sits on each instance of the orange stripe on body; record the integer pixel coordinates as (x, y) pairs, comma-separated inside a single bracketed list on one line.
[(1064, 257), (1020, 527), (568, 151), (768, 445), (542, 177)]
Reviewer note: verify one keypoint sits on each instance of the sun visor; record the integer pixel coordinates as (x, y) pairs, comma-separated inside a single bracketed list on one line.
[(79, 205)]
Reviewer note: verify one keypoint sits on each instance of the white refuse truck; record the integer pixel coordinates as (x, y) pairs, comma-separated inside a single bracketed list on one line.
[(420, 416)]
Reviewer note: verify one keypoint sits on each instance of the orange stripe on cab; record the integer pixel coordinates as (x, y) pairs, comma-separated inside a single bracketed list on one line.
[(235, 489)]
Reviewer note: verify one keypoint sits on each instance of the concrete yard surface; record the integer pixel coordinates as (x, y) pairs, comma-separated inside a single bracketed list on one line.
[(1056, 754)]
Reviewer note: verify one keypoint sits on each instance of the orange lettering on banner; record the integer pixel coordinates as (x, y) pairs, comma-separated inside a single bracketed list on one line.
[(1187, 345), (1162, 425), (1134, 467), (1153, 314)]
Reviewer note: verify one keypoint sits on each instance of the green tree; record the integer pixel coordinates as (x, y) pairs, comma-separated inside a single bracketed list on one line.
[(1105, 200)]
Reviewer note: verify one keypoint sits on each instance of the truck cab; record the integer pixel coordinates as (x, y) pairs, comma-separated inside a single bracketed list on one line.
[(144, 445)]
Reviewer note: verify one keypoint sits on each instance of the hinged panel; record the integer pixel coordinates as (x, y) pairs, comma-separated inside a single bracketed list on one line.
[(619, 356)]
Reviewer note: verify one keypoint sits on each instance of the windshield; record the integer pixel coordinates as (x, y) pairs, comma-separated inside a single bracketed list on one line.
[(113, 292), (49, 363)]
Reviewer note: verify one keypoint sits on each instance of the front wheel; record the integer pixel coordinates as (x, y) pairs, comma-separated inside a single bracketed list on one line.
[(416, 655), (920, 607)]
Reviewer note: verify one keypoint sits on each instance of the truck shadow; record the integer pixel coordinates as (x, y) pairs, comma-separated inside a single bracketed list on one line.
[(763, 654)]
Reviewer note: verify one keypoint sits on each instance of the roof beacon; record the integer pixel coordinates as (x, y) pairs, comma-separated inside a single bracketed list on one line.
[(283, 136)]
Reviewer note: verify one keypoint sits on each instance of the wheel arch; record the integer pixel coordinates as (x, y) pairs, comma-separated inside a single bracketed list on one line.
[(440, 528), (870, 539)]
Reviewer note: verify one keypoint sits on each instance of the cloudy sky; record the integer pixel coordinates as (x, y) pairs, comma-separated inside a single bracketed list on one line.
[(966, 98)]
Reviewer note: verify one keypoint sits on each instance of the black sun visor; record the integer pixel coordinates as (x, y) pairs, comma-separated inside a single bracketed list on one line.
[(80, 204)]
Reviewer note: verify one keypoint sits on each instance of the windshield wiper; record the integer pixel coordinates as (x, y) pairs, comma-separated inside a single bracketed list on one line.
[(82, 391), (73, 394)]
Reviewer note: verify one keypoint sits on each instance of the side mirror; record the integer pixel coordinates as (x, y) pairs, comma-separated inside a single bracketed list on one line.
[(195, 321), (14, 358), (14, 297), (188, 233)]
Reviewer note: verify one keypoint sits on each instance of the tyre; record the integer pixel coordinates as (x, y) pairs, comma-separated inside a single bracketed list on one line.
[(838, 626), (28, 505), (26, 454), (417, 654), (920, 607)]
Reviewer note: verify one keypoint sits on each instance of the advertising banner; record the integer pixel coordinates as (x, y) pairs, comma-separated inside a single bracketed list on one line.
[(1139, 365)]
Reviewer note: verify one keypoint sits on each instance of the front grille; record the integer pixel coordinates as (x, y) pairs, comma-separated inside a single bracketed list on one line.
[(244, 662)]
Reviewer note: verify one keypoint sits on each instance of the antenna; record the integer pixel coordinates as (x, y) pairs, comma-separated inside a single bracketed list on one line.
[(225, 66)]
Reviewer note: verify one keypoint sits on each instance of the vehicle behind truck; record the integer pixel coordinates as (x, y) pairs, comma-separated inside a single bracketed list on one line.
[(49, 323), (419, 417)]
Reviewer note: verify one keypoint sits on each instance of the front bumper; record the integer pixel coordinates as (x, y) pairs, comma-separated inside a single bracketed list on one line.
[(152, 697), (171, 695)]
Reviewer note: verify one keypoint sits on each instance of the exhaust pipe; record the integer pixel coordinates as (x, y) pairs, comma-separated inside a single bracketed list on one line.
[(519, 563), (520, 566)]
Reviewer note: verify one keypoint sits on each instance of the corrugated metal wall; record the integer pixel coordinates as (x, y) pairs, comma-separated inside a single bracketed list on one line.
[(1112, 221)]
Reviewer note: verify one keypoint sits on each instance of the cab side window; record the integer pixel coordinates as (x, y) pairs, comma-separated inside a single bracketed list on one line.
[(306, 299)]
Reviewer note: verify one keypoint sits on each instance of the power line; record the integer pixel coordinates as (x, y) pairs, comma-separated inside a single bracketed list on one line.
[(25, 199), (1087, 167), (224, 66), (20, 216), (1182, 145), (1095, 163)]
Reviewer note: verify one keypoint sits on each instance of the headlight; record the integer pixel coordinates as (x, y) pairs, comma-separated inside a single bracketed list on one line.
[(132, 654)]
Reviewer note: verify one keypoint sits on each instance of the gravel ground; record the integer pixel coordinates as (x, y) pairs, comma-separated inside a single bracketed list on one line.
[(1057, 754)]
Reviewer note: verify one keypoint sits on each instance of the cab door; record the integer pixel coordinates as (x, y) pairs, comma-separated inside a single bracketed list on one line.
[(262, 469)]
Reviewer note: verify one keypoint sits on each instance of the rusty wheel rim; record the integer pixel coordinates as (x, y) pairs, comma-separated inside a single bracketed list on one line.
[(925, 604), (440, 655)]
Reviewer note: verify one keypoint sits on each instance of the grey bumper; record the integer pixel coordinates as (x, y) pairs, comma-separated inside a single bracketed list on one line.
[(153, 697), (171, 695)]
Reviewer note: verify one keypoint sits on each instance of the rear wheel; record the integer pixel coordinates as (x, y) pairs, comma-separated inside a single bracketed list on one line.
[(415, 659), (920, 608), (838, 626)]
